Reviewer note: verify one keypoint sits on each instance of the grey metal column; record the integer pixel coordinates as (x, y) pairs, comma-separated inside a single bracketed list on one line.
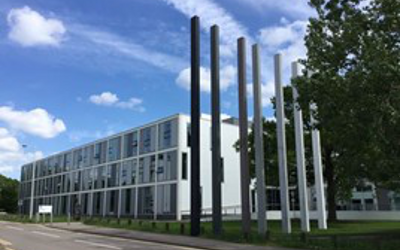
[(319, 179), (195, 209), (32, 191), (280, 123), (216, 132), (258, 143), (243, 127), (300, 158)]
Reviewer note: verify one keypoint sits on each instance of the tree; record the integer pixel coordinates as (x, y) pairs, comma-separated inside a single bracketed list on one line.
[(8, 194), (353, 54)]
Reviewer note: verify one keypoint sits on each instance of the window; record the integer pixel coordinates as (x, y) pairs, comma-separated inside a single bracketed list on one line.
[(67, 161), (76, 181), (147, 169), (167, 134), (85, 202), (166, 201), (48, 167), (184, 166), (112, 175), (147, 140), (99, 156), (146, 202), (114, 149), (59, 163), (128, 173), (23, 173), (67, 183), (88, 156), (58, 184), (128, 198), (101, 177), (87, 179), (112, 202), (167, 165), (131, 144), (98, 203), (78, 159), (189, 135)]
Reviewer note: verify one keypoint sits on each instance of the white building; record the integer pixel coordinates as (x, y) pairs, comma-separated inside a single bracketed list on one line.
[(140, 173)]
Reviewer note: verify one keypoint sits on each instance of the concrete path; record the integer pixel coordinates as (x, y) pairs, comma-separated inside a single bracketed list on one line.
[(171, 240)]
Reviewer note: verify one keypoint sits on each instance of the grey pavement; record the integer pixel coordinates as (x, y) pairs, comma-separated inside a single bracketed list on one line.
[(167, 240), (16, 236)]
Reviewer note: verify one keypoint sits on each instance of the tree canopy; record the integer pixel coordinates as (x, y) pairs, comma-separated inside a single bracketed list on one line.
[(8, 194), (352, 74), (354, 54)]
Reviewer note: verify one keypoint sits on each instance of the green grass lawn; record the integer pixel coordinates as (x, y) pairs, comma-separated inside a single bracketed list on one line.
[(360, 235)]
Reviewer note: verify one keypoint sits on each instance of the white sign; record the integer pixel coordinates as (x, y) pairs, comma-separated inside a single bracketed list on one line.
[(45, 209)]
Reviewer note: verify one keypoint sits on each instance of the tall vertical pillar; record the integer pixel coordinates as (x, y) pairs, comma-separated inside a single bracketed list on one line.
[(216, 132), (300, 158), (31, 207), (243, 138), (258, 143), (195, 209), (319, 179), (280, 123)]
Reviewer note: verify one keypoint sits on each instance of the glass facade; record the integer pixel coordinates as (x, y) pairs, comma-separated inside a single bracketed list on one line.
[(133, 174)]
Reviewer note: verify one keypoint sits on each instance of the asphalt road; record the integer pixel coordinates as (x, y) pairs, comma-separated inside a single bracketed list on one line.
[(15, 236)]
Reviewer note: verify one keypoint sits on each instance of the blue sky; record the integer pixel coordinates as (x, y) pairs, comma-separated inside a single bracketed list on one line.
[(74, 71)]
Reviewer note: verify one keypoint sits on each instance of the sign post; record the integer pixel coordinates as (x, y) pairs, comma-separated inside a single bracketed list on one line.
[(46, 209)]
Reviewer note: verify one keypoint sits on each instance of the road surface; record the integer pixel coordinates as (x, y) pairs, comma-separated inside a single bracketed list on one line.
[(16, 236)]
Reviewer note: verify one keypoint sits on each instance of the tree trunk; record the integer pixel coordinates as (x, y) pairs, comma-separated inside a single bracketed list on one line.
[(331, 186)]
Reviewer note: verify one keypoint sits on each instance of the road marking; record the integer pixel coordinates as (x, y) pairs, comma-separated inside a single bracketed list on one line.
[(97, 244), (5, 243), (46, 234), (142, 242), (15, 228), (51, 229)]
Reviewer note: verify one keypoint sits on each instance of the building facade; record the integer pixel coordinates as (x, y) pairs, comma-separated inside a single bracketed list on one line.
[(140, 173)]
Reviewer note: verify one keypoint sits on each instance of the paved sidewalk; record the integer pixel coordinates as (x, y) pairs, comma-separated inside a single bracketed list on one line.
[(177, 240)]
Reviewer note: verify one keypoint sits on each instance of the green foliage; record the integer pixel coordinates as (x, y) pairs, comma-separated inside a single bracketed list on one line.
[(8, 194), (354, 54)]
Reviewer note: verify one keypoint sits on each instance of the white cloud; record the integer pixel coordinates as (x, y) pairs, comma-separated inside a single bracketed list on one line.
[(12, 155), (111, 100), (267, 92), (35, 122), (211, 13), (286, 38), (286, 33), (6, 169), (105, 98), (111, 44), (8, 142), (227, 78), (133, 103), (30, 28)]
